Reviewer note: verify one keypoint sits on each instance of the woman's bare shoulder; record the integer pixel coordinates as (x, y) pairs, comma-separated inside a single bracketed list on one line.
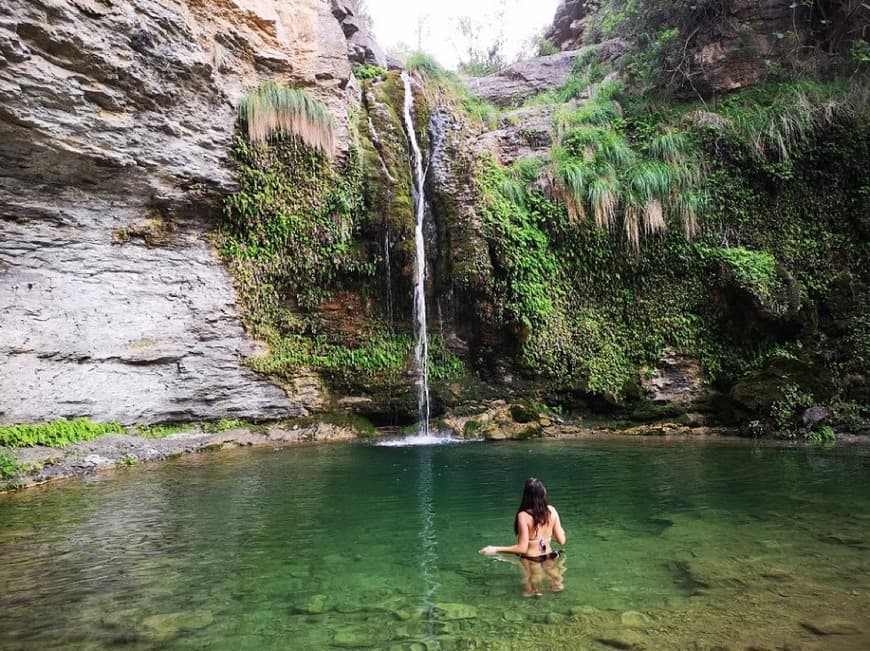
[(553, 510)]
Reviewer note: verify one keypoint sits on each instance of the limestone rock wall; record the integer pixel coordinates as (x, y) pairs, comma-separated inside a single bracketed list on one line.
[(116, 119)]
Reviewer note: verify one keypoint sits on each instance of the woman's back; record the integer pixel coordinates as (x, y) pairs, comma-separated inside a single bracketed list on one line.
[(541, 533)]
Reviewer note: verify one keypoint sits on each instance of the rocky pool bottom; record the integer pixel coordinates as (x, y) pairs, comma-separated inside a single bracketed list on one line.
[(672, 545)]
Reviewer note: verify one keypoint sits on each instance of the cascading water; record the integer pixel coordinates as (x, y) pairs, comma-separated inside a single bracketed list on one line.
[(421, 349)]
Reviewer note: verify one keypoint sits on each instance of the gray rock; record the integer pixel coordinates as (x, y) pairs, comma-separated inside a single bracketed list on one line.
[(524, 79), (675, 379), (634, 619), (111, 113), (814, 416), (446, 612), (566, 32), (93, 461), (520, 133), (362, 48), (167, 626)]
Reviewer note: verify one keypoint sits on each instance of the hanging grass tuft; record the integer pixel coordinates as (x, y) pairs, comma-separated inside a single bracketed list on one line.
[(603, 196), (272, 108)]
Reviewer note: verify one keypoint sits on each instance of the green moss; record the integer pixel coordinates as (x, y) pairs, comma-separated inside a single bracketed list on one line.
[(380, 360), (56, 433), (362, 426), (426, 63), (225, 424), (471, 429)]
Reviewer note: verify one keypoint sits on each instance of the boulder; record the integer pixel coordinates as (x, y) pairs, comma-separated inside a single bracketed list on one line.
[(756, 392), (814, 416), (566, 32)]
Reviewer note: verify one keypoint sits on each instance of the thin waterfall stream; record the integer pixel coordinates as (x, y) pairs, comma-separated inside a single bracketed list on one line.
[(421, 349)]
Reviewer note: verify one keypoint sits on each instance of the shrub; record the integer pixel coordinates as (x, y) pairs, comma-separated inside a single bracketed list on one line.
[(368, 71), (427, 64)]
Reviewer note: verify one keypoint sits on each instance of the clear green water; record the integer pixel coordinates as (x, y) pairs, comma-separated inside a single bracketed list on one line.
[(671, 546)]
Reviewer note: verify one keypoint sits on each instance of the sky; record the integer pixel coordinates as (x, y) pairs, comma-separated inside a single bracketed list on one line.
[(433, 24)]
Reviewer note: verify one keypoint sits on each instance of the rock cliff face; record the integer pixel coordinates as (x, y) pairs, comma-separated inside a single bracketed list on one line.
[(362, 48), (115, 122), (524, 79), (732, 44), (566, 32)]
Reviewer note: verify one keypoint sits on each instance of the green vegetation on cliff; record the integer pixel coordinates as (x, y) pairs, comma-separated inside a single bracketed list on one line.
[(730, 232), (56, 433), (304, 238), (760, 216)]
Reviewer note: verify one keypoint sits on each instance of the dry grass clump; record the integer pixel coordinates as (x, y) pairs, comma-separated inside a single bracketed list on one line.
[(272, 108)]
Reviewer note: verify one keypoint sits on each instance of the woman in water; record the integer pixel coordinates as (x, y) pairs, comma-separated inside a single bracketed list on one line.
[(535, 524)]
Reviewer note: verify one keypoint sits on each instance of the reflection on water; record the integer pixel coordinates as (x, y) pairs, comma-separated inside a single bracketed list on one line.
[(428, 542), (671, 546)]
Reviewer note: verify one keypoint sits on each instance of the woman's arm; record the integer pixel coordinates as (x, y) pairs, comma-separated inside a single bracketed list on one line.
[(522, 545), (558, 531)]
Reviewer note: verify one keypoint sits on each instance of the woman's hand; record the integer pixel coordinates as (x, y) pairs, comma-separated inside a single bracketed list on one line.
[(489, 550)]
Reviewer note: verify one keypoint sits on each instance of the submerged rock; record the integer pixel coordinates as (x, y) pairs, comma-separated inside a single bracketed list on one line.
[(634, 619), (825, 627), (167, 626), (450, 611)]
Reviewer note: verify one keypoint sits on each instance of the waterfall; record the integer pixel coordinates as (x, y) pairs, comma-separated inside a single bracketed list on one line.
[(421, 349)]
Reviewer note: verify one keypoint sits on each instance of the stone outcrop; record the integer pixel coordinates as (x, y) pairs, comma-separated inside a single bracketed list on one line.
[(520, 133), (566, 32), (362, 48), (116, 120), (676, 379), (524, 79)]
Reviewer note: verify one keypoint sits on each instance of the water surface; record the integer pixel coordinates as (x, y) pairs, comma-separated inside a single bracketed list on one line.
[(671, 546)]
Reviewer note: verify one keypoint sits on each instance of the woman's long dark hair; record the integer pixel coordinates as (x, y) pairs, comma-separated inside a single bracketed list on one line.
[(535, 502)]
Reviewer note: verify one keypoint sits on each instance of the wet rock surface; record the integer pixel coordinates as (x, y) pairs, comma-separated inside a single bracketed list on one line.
[(675, 379)]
